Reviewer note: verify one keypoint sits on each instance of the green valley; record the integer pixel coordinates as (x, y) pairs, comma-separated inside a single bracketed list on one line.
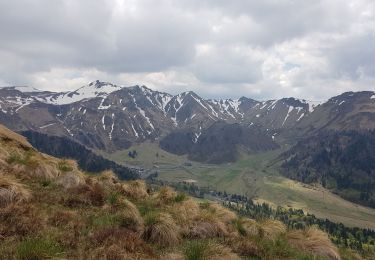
[(255, 176)]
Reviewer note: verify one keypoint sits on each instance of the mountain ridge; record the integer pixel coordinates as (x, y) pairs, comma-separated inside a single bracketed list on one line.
[(106, 116)]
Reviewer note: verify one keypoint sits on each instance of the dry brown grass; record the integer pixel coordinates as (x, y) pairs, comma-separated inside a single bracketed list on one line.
[(271, 229), (173, 256), (136, 190), (85, 195), (245, 247), (206, 227), (208, 250), (211, 221), (130, 216), (165, 195), (10, 136), (313, 240), (20, 220), (62, 218), (221, 252), (248, 227), (161, 230), (11, 191), (119, 243), (184, 212), (71, 179), (223, 214)]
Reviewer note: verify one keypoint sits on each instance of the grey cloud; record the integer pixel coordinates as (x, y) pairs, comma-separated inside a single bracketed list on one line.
[(249, 45)]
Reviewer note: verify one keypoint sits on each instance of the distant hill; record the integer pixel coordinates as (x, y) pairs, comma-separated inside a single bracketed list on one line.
[(341, 161)]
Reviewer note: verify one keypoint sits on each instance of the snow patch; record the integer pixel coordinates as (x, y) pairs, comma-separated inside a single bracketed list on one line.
[(287, 115), (45, 126)]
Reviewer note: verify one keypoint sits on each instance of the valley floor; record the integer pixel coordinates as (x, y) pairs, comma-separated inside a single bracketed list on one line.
[(253, 176)]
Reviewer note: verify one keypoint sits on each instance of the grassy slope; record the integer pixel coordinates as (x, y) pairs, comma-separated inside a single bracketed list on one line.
[(251, 176), (50, 209)]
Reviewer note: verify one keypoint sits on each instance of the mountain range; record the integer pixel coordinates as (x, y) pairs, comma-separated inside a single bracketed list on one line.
[(108, 117)]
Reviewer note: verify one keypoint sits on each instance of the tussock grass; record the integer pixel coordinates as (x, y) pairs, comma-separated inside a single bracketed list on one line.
[(130, 216), (271, 229), (11, 191), (161, 230), (314, 241), (136, 190), (65, 166), (109, 181), (223, 214), (119, 242), (246, 247), (206, 228), (165, 195), (213, 220), (184, 212), (70, 180)]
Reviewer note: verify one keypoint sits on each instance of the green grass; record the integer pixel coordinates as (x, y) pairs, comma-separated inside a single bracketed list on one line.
[(25, 159), (64, 166), (105, 220), (38, 248), (180, 197), (148, 155), (196, 249), (113, 198)]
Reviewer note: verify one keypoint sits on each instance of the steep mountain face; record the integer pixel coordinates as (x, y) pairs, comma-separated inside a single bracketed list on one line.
[(343, 161), (348, 111), (220, 143), (223, 142), (108, 117)]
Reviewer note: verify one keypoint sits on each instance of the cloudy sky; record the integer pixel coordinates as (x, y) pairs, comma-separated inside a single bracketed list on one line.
[(263, 49)]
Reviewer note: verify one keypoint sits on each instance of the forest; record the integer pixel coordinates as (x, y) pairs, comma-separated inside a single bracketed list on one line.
[(342, 162)]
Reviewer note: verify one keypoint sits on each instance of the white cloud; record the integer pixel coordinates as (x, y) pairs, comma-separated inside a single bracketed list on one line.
[(262, 49)]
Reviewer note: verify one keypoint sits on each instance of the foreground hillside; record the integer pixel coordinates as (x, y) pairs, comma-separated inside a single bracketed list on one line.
[(49, 208)]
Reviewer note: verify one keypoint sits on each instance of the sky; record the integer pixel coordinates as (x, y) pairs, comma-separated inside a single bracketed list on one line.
[(265, 49)]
